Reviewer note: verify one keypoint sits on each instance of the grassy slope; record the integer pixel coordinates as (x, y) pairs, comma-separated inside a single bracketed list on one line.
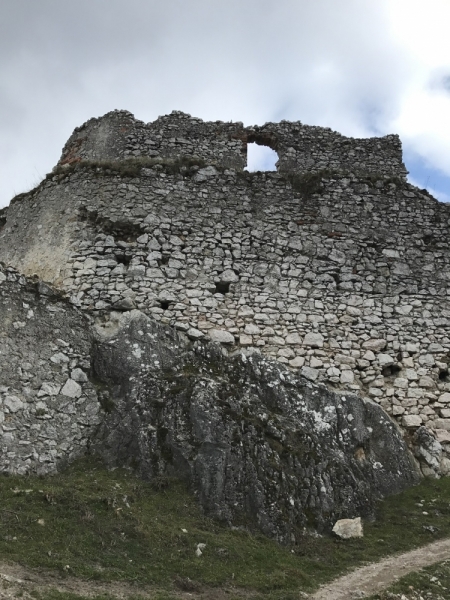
[(102, 525)]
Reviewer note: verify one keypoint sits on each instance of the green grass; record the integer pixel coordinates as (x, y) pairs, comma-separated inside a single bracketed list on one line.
[(430, 582), (55, 595), (110, 526)]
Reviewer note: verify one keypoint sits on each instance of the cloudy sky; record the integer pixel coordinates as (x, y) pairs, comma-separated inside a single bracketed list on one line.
[(361, 67)]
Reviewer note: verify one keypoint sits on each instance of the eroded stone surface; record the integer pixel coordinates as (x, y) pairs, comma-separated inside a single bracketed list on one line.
[(348, 528), (46, 418), (258, 443)]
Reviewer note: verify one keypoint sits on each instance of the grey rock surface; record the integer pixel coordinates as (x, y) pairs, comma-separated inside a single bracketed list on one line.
[(259, 445), (325, 285), (333, 266), (46, 418)]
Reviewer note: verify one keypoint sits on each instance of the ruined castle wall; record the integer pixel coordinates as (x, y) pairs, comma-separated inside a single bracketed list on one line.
[(343, 276), (119, 136), (48, 408), (301, 148), (348, 283)]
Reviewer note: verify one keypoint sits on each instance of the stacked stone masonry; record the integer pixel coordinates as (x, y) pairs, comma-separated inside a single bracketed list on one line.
[(346, 279), (301, 148), (48, 408)]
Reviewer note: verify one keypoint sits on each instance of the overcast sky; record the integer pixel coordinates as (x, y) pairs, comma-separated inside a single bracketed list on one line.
[(361, 67)]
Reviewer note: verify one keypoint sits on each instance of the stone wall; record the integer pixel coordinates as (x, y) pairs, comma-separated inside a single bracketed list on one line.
[(342, 276), (257, 443), (48, 408), (301, 148)]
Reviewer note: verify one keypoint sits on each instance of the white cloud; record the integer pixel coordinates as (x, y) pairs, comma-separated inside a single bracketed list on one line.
[(360, 67), (422, 120)]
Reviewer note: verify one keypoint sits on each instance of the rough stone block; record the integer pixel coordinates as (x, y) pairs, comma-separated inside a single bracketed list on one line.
[(410, 421), (375, 345), (309, 373), (245, 340), (400, 382), (348, 528), (293, 338), (71, 389), (442, 424), (315, 340), (13, 404), (297, 362), (221, 336), (347, 377)]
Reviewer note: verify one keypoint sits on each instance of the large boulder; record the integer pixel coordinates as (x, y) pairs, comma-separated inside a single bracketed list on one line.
[(260, 445)]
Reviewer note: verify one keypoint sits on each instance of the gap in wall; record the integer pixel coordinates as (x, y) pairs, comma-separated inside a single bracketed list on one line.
[(260, 158)]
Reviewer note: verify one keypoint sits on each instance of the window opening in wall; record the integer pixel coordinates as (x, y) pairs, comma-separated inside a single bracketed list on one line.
[(443, 375), (390, 370), (222, 288), (260, 158), (124, 259)]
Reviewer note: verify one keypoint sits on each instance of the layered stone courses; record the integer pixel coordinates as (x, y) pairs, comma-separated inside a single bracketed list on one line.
[(48, 408), (301, 148), (346, 281)]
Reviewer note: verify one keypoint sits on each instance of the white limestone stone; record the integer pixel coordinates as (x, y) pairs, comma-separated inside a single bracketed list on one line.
[(374, 344), (411, 421), (228, 276), (194, 334), (221, 336), (59, 358), (347, 376), (442, 424), (385, 360), (297, 362), (411, 375), (309, 373), (13, 404), (348, 528), (401, 382), (293, 338), (252, 329), (48, 389), (315, 340), (78, 375), (71, 389)]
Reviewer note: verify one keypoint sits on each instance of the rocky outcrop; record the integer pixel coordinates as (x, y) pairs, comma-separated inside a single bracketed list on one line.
[(260, 445)]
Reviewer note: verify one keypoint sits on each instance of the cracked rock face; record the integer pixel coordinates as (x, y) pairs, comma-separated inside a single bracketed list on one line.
[(259, 445)]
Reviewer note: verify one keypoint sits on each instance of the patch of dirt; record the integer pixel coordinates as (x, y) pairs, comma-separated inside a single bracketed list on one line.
[(376, 577), (17, 581)]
